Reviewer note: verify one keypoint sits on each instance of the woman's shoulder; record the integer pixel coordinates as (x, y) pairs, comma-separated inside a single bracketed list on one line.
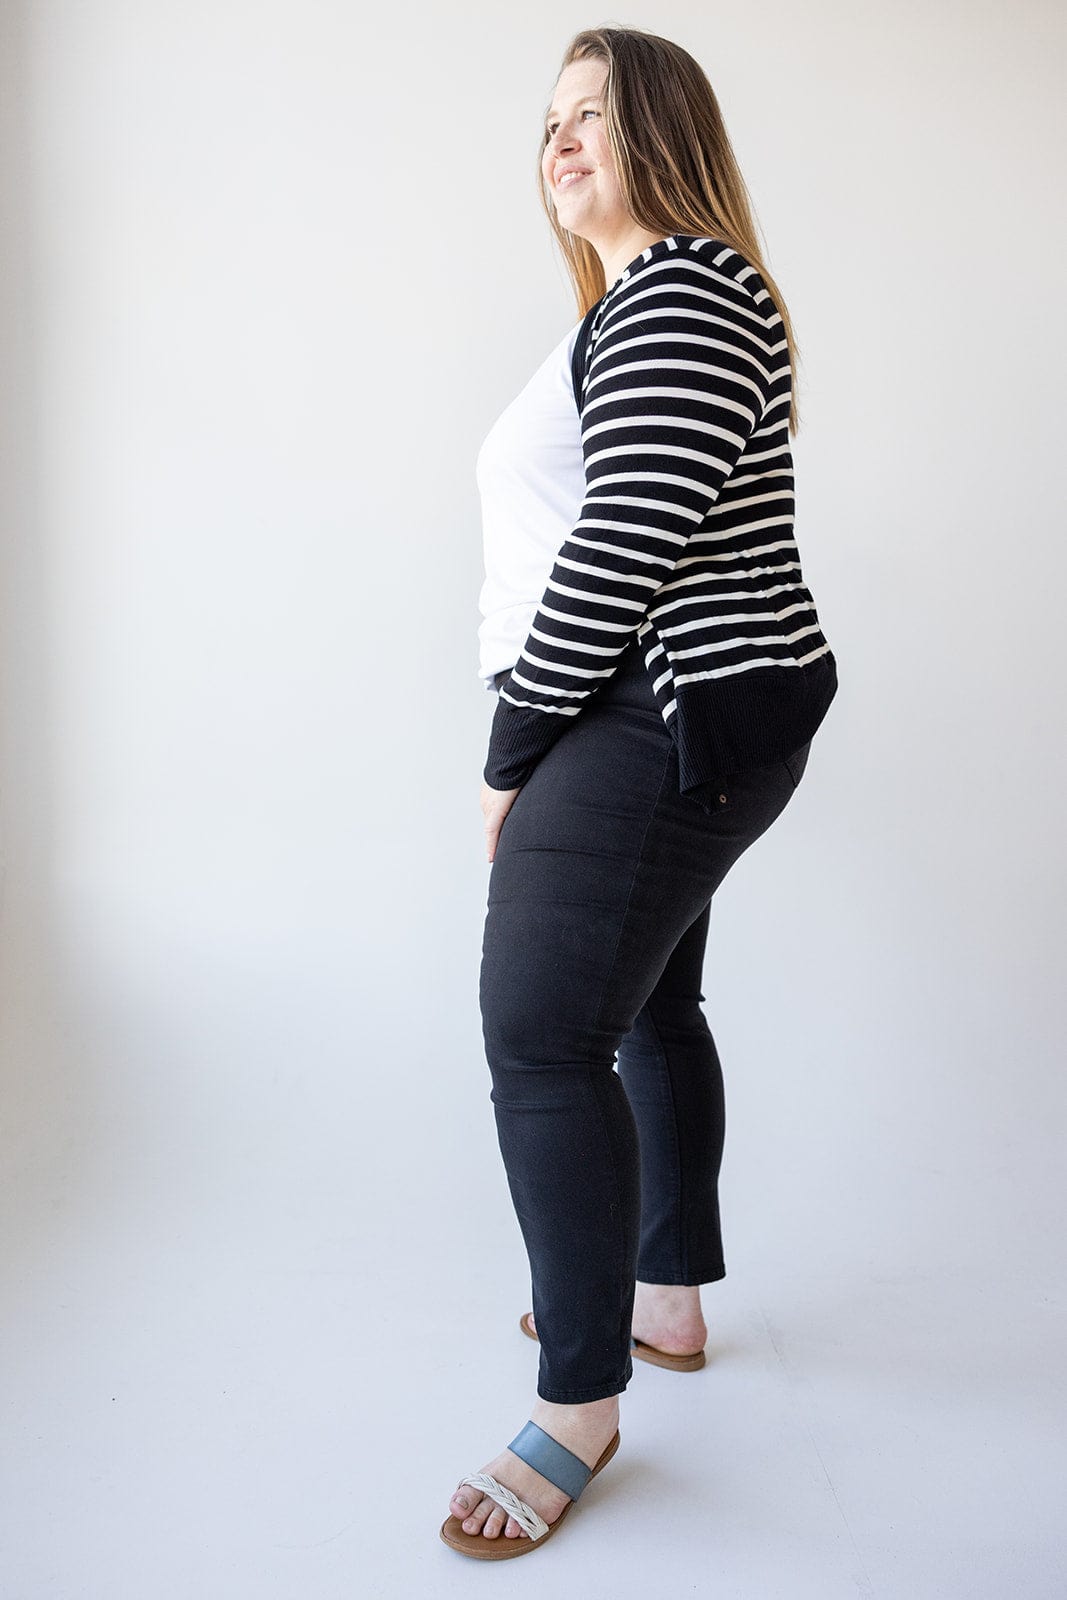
[(688, 261)]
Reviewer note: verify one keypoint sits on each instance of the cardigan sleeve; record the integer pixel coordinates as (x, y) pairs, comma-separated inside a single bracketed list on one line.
[(678, 380)]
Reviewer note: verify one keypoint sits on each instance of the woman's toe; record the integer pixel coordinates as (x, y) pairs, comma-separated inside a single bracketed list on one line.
[(474, 1521), (470, 1506), (494, 1522)]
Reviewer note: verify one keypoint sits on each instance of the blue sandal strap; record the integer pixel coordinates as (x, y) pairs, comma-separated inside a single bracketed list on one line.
[(551, 1459)]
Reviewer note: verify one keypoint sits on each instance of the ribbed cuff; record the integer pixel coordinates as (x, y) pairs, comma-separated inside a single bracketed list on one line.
[(518, 738)]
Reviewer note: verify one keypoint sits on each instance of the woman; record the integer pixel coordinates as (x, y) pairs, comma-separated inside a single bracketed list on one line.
[(660, 671)]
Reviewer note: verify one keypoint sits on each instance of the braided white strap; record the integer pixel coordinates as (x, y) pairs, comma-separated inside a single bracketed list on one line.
[(524, 1515)]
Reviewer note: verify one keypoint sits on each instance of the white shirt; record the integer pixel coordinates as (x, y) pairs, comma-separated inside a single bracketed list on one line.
[(531, 475)]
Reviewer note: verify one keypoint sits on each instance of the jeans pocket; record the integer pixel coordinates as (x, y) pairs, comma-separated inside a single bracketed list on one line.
[(794, 764)]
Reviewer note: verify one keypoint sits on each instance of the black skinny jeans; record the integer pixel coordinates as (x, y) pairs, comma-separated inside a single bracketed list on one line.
[(599, 903)]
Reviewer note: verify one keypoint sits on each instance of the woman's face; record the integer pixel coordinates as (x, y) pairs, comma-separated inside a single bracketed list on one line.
[(590, 203)]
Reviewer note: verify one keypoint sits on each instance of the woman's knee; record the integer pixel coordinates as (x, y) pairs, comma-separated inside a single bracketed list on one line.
[(523, 1034)]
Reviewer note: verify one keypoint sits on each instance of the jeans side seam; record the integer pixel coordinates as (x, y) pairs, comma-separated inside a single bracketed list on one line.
[(619, 1235), (619, 1229), (681, 1251), (630, 892)]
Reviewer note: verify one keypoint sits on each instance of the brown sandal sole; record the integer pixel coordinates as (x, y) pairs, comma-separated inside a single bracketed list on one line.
[(500, 1547), (644, 1352)]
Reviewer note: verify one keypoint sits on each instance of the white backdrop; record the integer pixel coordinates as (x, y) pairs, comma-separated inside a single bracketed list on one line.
[(270, 272)]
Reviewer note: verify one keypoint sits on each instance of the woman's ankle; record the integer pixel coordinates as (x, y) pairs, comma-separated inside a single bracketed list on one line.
[(682, 1294)]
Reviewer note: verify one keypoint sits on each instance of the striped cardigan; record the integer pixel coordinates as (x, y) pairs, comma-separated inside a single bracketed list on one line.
[(684, 539)]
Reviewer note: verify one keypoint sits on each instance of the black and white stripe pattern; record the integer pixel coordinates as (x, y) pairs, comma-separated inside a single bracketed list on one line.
[(685, 535)]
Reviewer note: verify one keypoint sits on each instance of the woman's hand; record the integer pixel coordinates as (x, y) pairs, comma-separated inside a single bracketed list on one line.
[(496, 803)]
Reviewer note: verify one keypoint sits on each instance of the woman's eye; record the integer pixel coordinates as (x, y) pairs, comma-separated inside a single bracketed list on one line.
[(552, 126)]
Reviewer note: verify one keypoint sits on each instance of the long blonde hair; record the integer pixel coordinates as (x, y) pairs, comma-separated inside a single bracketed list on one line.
[(675, 163)]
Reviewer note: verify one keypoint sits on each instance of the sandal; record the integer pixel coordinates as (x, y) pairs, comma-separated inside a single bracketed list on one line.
[(554, 1462), (646, 1352)]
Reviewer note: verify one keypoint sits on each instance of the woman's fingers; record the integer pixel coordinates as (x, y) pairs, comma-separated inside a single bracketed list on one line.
[(496, 803)]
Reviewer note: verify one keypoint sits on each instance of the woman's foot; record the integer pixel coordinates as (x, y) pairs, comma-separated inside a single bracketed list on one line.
[(666, 1315), (584, 1429)]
